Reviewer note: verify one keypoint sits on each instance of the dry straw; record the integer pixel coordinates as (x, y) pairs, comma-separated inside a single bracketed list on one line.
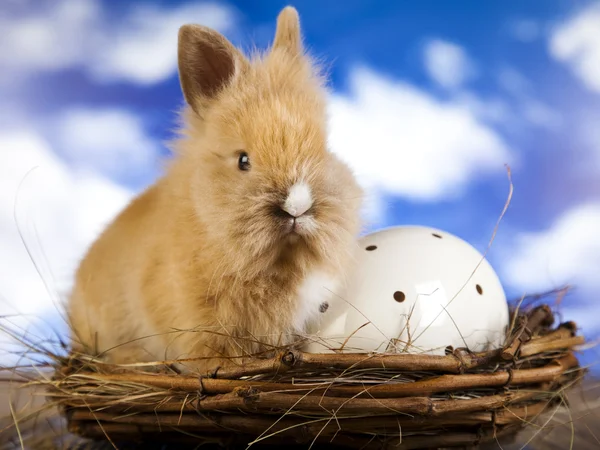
[(354, 400)]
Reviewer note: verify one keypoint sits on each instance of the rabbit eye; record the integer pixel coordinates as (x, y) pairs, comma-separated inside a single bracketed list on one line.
[(244, 161)]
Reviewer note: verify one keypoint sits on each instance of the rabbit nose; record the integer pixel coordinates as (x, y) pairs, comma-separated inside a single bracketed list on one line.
[(298, 201)]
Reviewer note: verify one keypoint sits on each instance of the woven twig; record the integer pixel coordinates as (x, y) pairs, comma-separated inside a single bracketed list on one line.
[(355, 400), (427, 387), (526, 328), (339, 440), (249, 424)]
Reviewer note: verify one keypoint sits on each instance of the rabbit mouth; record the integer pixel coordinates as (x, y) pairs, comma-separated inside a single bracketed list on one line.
[(293, 225), (298, 227)]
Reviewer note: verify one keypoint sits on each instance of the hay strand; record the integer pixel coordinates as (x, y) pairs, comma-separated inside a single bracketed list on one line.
[(354, 400)]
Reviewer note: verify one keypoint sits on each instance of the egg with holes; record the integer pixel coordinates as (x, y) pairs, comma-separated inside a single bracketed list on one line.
[(419, 290)]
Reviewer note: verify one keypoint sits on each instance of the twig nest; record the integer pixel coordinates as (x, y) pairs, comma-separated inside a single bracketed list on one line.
[(347, 400), (419, 290)]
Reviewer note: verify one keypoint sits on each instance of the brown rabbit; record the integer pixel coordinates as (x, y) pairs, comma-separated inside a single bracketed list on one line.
[(251, 229)]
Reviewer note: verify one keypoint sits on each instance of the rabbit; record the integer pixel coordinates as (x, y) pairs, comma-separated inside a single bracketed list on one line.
[(250, 230)]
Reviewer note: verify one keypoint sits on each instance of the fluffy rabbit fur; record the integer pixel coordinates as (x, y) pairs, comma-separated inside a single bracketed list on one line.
[(210, 262)]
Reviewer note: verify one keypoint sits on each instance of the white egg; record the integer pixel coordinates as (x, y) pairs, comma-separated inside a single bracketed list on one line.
[(419, 290)]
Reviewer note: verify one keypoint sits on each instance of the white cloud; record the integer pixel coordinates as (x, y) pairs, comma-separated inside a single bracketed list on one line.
[(576, 42), (59, 212), (111, 141), (540, 114), (590, 136), (532, 111), (140, 46), (403, 141), (144, 50), (49, 40), (447, 63), (525, 30), (568, 252), (492, 109), (513, 81)]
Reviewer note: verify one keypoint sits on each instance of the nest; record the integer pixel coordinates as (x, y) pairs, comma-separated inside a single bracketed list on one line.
[(400, 401)]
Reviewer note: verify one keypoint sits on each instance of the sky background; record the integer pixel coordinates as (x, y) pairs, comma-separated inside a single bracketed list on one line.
[(429, 101)]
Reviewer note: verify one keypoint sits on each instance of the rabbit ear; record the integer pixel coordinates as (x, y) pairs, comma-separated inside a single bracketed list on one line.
[(287, 34), (207, 63)]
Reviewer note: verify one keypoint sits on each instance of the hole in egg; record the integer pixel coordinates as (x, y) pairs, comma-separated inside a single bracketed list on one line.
[(399, 296), (479, 289), (436, 235), (370, 248), (323, 307)]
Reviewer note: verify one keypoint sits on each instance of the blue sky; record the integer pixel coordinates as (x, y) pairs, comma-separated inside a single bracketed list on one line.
[(429, 100)]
